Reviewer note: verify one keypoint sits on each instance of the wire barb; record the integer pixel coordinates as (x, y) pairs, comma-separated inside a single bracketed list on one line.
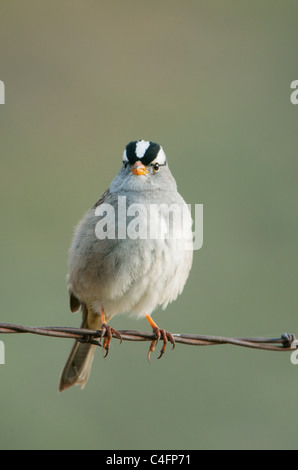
[(286, 342)]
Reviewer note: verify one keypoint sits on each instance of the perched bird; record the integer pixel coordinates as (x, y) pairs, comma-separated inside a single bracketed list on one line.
[(139, 262)]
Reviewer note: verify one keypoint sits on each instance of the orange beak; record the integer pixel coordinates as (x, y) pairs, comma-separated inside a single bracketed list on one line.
[(139, 169)]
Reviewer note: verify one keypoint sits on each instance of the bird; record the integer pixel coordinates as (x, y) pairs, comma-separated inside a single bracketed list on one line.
[(124, 261)]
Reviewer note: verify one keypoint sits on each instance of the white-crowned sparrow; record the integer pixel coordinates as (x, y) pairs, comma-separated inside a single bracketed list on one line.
[(121, 270)]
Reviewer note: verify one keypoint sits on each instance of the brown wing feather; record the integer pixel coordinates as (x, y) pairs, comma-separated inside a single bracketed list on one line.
[(74, 302), (102, 198)]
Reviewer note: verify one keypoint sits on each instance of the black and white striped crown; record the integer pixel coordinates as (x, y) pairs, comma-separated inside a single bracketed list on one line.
[(145, 151)]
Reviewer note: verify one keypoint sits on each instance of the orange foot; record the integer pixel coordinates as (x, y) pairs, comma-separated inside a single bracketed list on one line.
[(107, 333), (159, 334)]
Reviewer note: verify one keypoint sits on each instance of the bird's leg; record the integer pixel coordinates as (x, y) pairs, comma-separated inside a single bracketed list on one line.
[(159, 334), (107, 333)]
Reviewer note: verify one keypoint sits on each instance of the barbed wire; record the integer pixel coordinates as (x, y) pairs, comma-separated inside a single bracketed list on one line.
[(286, 342)]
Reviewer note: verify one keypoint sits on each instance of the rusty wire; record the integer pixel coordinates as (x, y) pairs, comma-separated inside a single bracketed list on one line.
[(286, 342)]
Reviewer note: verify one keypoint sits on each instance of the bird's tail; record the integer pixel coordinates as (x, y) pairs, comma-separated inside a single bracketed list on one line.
[(78, 365)]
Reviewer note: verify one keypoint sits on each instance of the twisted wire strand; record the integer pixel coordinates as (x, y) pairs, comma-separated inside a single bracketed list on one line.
[(286, 342)]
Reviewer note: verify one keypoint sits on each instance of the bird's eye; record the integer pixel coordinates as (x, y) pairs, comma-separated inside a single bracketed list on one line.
[(156, 166), (125, 165)]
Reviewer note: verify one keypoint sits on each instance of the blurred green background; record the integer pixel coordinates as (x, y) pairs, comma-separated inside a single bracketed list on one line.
[(210, 81)]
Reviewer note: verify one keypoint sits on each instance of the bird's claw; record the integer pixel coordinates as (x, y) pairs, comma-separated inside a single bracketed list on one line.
[(165, 336), (107, 333)]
